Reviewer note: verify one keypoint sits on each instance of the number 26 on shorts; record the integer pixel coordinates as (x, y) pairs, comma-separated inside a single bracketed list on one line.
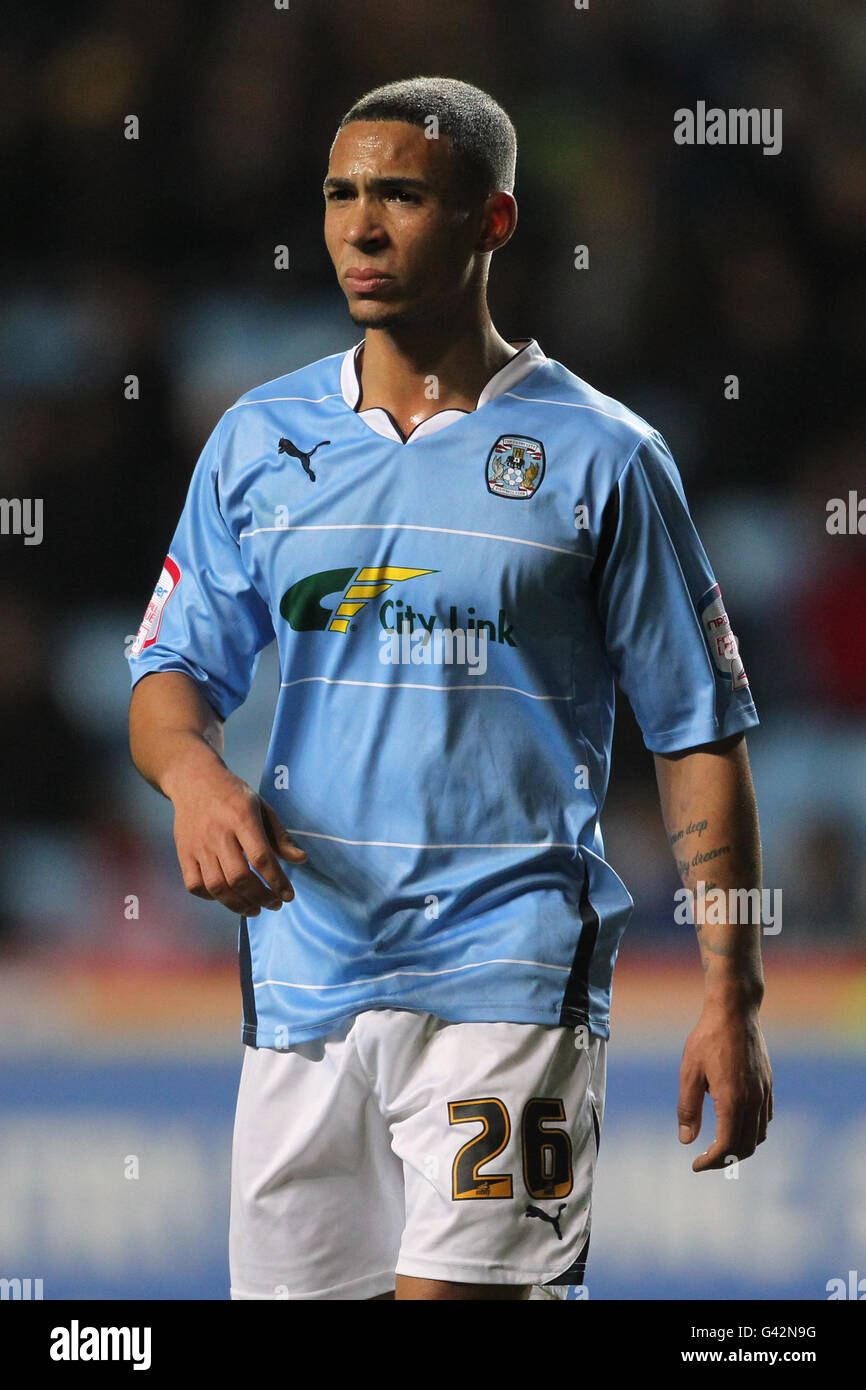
[(547, 1153)]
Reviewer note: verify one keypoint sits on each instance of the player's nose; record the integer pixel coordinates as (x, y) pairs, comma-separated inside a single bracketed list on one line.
[(364, 224)]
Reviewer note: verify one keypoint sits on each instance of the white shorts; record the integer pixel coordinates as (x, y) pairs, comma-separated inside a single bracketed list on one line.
[(405, 1144)]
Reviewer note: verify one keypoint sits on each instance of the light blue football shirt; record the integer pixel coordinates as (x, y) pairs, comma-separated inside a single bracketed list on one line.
[(451, 612)]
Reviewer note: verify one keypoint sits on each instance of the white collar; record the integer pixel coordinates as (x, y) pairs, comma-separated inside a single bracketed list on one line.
[(516, 368)]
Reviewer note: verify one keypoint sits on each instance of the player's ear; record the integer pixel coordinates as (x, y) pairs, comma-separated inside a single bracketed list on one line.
[(499, 218)]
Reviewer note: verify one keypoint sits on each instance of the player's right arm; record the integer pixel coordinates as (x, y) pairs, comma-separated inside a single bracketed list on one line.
[(221, 826), (191, 665)]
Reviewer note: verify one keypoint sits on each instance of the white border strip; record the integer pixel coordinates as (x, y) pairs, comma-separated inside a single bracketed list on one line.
[(577, 405), (394, 974), (397, 844), (420, 685), (266, 400), (403, 526)]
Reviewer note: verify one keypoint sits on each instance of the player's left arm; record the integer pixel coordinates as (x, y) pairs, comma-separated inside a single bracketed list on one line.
[(710, 815)]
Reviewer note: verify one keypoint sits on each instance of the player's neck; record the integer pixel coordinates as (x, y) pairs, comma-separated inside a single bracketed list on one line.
[(415, 371)]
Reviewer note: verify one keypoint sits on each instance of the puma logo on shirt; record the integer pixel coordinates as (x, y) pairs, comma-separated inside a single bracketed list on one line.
[(287, 447)]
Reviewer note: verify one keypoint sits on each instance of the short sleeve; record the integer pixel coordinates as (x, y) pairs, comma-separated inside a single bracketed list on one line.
[(205, 618), (666, 633)]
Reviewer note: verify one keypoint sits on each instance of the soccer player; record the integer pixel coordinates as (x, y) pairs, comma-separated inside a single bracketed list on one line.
[(459, 545)]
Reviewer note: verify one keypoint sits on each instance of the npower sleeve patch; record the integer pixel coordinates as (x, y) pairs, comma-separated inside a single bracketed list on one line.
[(166, 585), (722, 643)]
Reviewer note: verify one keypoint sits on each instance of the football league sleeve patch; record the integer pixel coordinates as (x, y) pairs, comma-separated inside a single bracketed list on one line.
[(205, 617), (723, 645), (152, 620)]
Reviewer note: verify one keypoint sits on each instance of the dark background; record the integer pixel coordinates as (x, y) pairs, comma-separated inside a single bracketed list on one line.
[(155, 257)]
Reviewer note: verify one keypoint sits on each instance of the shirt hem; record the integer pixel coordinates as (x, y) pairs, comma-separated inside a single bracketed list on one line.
[(478, 1271), (691, 735), (251, 1034), (360, 1288)]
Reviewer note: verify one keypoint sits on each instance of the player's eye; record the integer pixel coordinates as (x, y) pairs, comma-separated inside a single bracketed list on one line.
[(401, 195)]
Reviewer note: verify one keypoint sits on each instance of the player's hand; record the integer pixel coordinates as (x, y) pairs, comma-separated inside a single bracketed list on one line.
[(726, 1055), (221, 828)]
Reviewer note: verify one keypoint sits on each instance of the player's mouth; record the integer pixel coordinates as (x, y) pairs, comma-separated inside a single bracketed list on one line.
[(363, 281)]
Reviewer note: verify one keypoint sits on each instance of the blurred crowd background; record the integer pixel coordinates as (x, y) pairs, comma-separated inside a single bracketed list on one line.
[(154, 258)]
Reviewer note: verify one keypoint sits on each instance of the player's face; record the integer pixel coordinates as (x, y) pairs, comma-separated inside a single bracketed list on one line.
[(404, 245)]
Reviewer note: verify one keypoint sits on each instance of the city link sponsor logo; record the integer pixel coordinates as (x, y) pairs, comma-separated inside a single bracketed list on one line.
[(77, 1343), (302, 607), (304, 611)]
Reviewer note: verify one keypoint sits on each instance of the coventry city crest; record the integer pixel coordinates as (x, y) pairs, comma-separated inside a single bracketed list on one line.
[(515, 467)]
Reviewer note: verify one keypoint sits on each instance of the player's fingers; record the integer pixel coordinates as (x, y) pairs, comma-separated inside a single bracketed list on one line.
[(746, 1123), (738, 1124), (764, 1117), (725, 1143), (750, 1126), (218, 887), (693, 1086), (279, 836), (243, 881), (193, 880), (260, 857), (718, 1155), (767, 1109)]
